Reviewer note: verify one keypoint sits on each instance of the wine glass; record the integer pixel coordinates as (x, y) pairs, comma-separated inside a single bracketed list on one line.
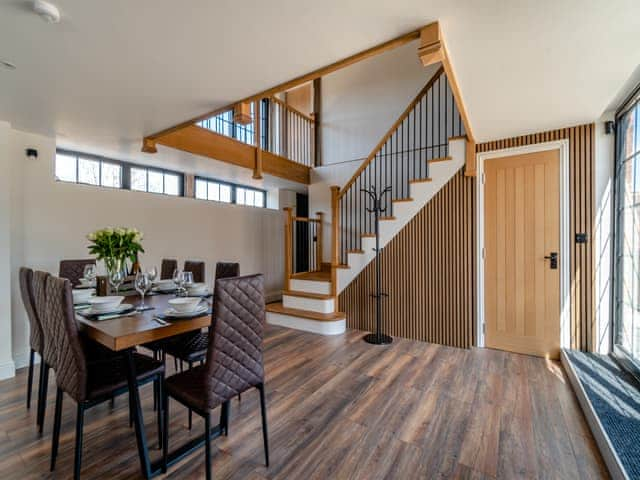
[(152, 273), (89, 273), (187, 280), (116, 277), (142, 284), (177, 279)]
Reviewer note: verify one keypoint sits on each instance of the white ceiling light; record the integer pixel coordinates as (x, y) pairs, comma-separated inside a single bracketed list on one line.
[(7, 65), (47, 11)]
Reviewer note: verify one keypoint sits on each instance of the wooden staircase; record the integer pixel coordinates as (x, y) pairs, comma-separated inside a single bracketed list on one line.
[(419, 154), (309, 304)]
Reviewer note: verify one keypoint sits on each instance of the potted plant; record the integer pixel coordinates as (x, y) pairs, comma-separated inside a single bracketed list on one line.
[(114, 246)]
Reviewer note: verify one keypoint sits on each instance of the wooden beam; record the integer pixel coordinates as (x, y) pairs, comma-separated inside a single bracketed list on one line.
[(200, 141), (242, 113), (149, 146), (430, 50), (320, 72), (257, 171), (470, 169)]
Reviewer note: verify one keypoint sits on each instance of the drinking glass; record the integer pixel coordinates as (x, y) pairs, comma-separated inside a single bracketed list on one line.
[(152, 273), (177, 279), (142, 284), (116, 277), (187, 280), (89, 273)]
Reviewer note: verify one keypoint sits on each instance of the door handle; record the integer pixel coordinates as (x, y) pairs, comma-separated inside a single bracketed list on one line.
[(553, 260)]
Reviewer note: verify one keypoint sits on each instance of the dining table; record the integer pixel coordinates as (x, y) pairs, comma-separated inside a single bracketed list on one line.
[(123, 334)]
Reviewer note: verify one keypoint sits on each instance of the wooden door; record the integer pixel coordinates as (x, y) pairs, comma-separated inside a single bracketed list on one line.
[(522, 227)]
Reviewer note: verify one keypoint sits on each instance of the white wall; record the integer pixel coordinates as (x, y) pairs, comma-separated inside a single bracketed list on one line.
[(361, 102), (6, 361), (603, 234), (51, 219)]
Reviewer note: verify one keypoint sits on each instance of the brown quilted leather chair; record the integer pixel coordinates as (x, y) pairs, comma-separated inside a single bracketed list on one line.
[(167, 268), (73, 270), (39, 283), (192, 348), (234, 361), (35, 329), (88, 383), (197, 268)]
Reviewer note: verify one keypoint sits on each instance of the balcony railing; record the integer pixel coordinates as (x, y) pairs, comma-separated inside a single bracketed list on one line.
[(284, 131)]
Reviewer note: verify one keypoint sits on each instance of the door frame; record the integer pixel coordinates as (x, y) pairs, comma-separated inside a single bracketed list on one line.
[(565, 247)]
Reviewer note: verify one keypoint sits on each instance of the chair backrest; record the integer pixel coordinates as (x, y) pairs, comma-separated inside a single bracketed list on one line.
[(234, 356), (73, 270), (26, 291), (41, 308), (197, 268), (227, 269), (167, 268), (61, 326)]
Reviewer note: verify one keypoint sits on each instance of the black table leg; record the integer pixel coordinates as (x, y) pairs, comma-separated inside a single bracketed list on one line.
[(141, 439)]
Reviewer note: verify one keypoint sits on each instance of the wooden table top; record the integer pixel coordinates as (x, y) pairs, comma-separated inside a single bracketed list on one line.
[(126, 332)]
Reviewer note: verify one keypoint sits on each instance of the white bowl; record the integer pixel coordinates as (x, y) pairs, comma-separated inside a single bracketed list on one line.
[(164, 285), (184, 304), (82, 295), (198, 288), (105, 304)]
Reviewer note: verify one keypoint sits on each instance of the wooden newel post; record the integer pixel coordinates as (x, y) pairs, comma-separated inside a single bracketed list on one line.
[(257, 171), (319, 242), (288, 248), (335, 239)]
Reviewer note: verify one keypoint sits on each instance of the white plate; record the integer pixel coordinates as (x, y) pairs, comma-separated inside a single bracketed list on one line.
[(123, 307), (170, 312), (169, 287)]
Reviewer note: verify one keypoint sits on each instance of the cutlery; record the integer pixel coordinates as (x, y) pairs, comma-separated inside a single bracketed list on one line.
[(111, 316), (160, 321)]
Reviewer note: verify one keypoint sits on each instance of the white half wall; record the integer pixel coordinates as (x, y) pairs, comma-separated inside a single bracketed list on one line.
[(49, 222)]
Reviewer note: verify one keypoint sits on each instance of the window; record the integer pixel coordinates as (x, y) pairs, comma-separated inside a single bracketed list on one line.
[(206, 189), (88, 170), (93, 170), (627, 266), (249, 196), (212, 190), (224, 125)]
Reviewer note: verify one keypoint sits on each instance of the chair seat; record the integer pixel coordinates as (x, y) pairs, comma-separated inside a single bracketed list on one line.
[(189, 387), (190, 349), (107, 376)]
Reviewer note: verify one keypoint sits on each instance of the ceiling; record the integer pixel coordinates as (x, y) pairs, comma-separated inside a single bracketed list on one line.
[(114, 71)]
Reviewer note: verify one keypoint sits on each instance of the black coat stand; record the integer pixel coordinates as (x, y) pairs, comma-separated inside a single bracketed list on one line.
[(377, 338)]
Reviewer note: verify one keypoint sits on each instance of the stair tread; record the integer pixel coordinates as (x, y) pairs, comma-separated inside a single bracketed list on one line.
[(313, 276), (294, 312), (421, 180), (403, 200), (389, 217), (355, 250), (298, 293), (440, 159)]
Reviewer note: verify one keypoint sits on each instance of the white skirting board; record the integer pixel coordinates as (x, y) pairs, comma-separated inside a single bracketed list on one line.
[(7, 370), (599, 434), (335, 327)]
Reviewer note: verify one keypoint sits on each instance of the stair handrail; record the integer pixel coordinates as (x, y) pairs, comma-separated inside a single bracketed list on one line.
[(390, 132)]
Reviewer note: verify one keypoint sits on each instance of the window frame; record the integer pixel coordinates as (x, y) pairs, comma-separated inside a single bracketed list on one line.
[(622, 354), (234, 187), (125, 172)]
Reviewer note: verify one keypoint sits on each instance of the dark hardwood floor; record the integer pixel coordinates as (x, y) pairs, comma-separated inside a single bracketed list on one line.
[(339, 409)]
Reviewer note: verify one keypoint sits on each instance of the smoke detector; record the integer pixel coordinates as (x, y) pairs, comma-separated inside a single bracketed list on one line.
[(47, 11)]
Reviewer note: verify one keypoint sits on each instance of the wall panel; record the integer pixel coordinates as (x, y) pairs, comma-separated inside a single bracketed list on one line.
[(428, 272), (429, 267)]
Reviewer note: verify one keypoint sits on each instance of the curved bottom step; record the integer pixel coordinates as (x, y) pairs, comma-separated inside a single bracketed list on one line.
[(324, 324)]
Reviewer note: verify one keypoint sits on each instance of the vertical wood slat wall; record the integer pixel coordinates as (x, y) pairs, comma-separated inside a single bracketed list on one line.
[(429, 267), (581, 184), (428, 270)]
